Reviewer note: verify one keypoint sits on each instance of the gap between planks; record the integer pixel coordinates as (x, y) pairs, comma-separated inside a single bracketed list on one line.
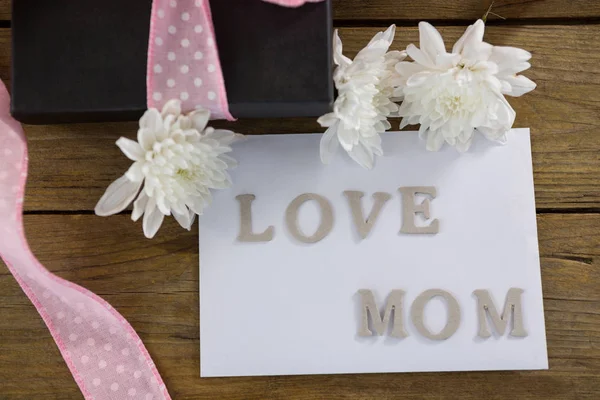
[(377, 23), (539, 211)]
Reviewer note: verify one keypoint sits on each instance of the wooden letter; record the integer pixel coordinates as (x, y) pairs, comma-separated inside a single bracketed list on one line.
[(394, 303), (409, 209), (325, 226), (246, 234), (485, 305), (418, 307), (364, 226)]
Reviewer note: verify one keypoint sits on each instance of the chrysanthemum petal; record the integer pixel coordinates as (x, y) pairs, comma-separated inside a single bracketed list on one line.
[(338, 57), (196, 204), (151, 120), (435, 140), (464, 146), (131, 149), (171, 107), (153, 219), (328, 120), (147, 138), (404, 123), (430, 41), (505, 57), (329, 144), (519, 85), (348, 137), (230, 161), (184, 219), (418, 78), (199, 119), (117, 197), (135, 172), (447, 60), (382, 40), (139, 206), (224, 136), (473, 35), (419, 56), (362, 156)]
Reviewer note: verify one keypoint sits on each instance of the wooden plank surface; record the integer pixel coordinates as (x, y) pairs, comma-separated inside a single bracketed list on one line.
[(154, 284), (5, 10), (465, 10), (448, 10), (71, 165)]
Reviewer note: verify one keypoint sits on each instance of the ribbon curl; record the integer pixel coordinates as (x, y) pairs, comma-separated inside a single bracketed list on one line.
[(105, 355)]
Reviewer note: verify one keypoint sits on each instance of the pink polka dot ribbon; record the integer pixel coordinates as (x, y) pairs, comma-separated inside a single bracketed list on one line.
[(105, 355), (183, 60)]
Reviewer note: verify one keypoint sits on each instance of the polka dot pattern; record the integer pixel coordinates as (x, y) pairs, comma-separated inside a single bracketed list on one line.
[(86, 329), (80, 322), (185, 65)]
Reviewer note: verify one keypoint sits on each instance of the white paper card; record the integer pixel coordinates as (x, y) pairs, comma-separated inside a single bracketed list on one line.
[(284, 307)]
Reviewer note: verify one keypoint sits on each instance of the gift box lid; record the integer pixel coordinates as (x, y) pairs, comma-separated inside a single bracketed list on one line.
[(85, 60)]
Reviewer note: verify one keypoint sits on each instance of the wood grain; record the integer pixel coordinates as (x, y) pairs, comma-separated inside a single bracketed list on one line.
[(465, 10), (5, 10), (71, 165), (154, 284), (450, 10)]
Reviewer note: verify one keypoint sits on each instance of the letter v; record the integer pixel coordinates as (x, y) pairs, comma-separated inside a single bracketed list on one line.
[(364, 226)]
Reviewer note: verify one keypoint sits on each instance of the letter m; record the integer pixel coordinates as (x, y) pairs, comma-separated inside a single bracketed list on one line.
[(512, 305), (369, 307)]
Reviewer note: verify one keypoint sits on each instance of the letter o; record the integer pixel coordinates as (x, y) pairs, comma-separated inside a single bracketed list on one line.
[(418, 307), (325, 226)]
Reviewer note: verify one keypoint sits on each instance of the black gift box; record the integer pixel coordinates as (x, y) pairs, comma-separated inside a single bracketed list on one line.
[(85, 60)]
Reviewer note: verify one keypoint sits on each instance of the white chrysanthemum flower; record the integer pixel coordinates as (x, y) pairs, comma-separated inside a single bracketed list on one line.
[(177, 160), (364, 100), (452, 95)]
